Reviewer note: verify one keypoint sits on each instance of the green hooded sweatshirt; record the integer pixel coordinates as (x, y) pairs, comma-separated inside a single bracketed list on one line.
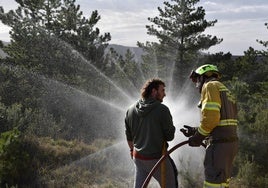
[(148, 124)]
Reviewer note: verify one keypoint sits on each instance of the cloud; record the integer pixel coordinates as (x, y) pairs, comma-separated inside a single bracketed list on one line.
[(126, 27), (4, 33), (231, 10), (210, 3), (120, 5), (238, 35), (240, 22)]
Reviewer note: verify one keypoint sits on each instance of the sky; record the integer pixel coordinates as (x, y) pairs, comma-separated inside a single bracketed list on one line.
[(239, 22)]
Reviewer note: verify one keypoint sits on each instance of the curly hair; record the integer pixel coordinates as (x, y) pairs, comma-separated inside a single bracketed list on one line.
[(149, 85)]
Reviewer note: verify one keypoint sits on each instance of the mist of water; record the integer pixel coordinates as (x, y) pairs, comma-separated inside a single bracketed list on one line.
[(187, 159), (104, 115), (81, 58), (78, 97), (116, 157)]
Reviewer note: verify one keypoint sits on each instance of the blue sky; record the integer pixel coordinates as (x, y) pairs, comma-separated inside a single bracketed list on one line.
[(240, 22)]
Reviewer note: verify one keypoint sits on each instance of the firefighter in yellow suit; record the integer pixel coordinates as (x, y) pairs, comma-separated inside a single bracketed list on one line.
[(218, 126)]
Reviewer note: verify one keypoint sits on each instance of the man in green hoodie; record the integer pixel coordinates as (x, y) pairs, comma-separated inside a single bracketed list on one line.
[(148, 128)]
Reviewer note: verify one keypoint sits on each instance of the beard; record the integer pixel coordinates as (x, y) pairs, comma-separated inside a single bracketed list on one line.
[(159, 98)]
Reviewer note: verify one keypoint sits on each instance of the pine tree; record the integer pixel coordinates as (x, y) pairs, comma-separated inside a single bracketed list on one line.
[(179, 29), (36, 21)]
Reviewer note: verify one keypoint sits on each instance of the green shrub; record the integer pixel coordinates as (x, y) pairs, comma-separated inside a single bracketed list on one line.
[(15, 161)]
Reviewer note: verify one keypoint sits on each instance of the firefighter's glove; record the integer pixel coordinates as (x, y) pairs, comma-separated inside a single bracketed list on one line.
[(196, 140), (188, 131)]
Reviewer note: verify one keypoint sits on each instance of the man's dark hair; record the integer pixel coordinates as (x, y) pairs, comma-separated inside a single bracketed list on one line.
[(149, 86)]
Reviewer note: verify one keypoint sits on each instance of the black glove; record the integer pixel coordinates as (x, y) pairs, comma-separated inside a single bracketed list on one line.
[(196, 140), (188, 131)]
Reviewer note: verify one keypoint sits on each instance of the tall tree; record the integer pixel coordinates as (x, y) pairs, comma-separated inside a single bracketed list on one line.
[(179, 29), (61, 19), (45, 37)]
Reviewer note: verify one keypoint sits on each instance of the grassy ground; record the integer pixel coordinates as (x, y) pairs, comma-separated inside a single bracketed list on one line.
[(100, 164)]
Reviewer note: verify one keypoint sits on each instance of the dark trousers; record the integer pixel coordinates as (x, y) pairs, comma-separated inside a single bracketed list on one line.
[(218, 163)]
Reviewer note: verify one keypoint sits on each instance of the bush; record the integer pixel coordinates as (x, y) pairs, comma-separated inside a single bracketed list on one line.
[(15, 161)]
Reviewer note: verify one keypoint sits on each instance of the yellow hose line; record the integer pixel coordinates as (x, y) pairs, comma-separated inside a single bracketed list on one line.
[(163, 168)]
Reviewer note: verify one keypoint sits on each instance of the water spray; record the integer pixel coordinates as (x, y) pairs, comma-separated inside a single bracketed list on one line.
[(147, 180)]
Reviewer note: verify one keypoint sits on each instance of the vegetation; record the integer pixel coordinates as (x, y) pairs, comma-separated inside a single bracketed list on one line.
[(35, 162), (62, 103), (180, 30)]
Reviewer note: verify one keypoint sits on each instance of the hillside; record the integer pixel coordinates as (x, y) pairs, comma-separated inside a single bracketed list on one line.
[(121, 50)]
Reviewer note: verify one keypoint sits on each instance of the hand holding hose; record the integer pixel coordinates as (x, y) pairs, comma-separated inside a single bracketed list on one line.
[(196, 140), (188, 131)]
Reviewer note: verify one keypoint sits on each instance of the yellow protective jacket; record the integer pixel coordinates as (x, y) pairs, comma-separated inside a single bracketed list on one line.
[(218, 111)]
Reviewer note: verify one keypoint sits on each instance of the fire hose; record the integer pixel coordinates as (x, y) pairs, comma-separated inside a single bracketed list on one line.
[(147, 180)]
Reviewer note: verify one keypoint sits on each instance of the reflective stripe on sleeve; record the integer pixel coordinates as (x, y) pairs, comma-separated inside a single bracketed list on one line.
[(227, 122), (211, 106), (202, 131)]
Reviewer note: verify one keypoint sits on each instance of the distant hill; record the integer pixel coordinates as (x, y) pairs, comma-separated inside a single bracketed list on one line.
[(121, 50)]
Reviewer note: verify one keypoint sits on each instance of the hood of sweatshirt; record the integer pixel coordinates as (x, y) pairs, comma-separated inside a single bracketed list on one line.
[(145, 106)]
